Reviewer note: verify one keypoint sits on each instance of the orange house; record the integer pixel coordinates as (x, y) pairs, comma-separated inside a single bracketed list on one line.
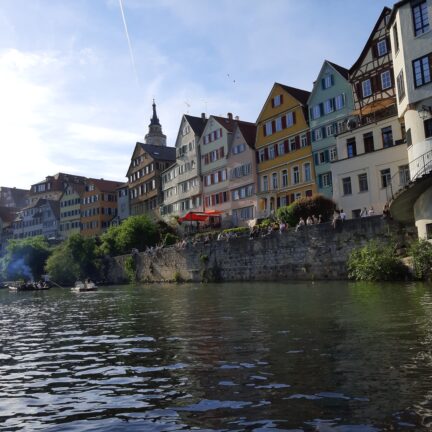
[(283, 150), (98, 206)]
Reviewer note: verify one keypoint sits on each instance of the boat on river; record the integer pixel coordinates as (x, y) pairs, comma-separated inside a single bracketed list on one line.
[(28, 286), (87, 285)]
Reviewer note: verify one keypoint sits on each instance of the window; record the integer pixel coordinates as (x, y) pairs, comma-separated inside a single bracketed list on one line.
[(395, 38), (363, 183), (281, 148), (271, 152), (297, 196), (368, 142), (307, 172), (284, 178), (303, 140), (268, 128), (366, 88), (277, 100), (333, 154), (340, 101), (382, 47), (292, 144), (351, 147), (265, 184), (316, 112), (327, 81), (400, 85), (326, 180), (328, 106), (317, 133), (290, 119), (330, 129), (386, 81), (385, 177), (346, 186), (240, 148), (296, 175), (404, 175), (422, 71), (261, 155), (278, 124), (428, 128), (274, 181), (420, 18), (387, 136)]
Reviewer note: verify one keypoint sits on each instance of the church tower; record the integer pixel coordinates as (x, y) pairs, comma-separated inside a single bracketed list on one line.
[(155, 135)]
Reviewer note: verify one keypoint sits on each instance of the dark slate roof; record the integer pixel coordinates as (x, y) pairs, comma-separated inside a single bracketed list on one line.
[(301, 95), (344, 72), (383, 13), (55, 207), (248, 131), (225, 122), (105, 185), (196, 123), (160, 152)]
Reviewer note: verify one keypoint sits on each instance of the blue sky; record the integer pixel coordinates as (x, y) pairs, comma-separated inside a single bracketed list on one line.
[(71, 101)]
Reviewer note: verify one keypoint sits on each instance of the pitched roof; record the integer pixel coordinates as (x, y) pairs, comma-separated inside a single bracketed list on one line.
[(159, 152), (301, 95), (104, 185), (344, 72), (248, 131), (383, 13), (396, 6), (7, 214), (196, 123)]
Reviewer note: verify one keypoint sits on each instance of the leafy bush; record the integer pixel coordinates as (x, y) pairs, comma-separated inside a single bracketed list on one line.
[(421, 252), (375, 262), (238, 230), (304, 207), (130, 269)]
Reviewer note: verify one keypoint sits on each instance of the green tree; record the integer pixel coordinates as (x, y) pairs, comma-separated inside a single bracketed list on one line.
[(62, 267), (304, 207), (421, 252), (375, 262), (136, 232), (25, 258)]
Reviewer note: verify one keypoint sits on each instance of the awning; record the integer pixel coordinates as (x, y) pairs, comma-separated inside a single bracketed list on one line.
[(375, 106), (199, 216)]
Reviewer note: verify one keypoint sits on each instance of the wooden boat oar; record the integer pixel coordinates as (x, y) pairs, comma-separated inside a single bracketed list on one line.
[(55, 283)]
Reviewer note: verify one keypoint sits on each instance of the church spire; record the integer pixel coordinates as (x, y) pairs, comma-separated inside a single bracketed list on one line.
[(154, 120), (155, 135)]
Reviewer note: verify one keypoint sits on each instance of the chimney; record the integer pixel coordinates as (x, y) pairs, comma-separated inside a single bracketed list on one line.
[(230, 116), (237, 118), (203, 116)]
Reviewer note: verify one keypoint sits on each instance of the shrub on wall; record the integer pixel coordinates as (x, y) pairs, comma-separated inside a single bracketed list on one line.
[(421, 252), (375, 262), (304, 207)]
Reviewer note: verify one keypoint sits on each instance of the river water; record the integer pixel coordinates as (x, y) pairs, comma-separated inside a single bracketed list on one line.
[(332, 356)]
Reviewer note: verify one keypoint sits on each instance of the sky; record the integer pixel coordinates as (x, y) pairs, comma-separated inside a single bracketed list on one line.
[(75, 96)]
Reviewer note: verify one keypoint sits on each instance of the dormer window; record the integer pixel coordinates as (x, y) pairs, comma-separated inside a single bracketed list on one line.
[(277, 101), (327, 81)]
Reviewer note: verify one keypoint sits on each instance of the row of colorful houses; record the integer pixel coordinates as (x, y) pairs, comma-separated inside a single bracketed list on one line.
[(359, 136)]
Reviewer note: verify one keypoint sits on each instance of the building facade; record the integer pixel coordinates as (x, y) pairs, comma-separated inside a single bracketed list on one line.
[(284, 153), (372, 151), (242, 175), (70, 210), (410, 30), (330, 103), (181, 183), (13, 197)]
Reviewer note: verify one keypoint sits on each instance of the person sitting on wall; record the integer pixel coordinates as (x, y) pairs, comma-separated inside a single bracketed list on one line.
[(364, 212), (282, 227), (371, 211), (309, 220), (336, 219), (343, 215), (301, 223), (320, 219), (386, 212)]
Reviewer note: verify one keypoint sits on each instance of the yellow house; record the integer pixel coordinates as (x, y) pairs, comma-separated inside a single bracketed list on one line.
[(284, 153)]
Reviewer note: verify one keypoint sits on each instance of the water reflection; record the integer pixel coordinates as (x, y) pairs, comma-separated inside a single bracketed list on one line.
[(303, 356)]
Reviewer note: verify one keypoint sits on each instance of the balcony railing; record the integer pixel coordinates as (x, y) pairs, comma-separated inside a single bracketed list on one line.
[(420, 166)]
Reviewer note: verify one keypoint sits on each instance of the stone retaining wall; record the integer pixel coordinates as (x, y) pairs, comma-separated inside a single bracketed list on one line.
[(315, 252)]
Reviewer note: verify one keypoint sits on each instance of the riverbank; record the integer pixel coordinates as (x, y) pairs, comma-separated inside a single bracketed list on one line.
[(316, 252)]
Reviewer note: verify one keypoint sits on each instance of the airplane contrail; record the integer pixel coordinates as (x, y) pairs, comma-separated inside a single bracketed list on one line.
[(129, 42)]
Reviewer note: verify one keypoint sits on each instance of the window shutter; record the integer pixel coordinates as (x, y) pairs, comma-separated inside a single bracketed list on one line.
[(272, 102), (266, 153), (323, 83), (281, 99), (374, 50), (292, 198), (220, 133), (321, 108), (222, 152), (264, 130), (332, 79), (376, 83), (273, 123), (219, 174), (286, 146), (277, 202), (323, 132), (276, 150), (308, 137), (297, 142), (320, 181), (284, 122), (388, 43), (220, 197), (359, 90), (206, 159), (316, 158), (257, 156), (326, 156), (294, 117), (311, 113)]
